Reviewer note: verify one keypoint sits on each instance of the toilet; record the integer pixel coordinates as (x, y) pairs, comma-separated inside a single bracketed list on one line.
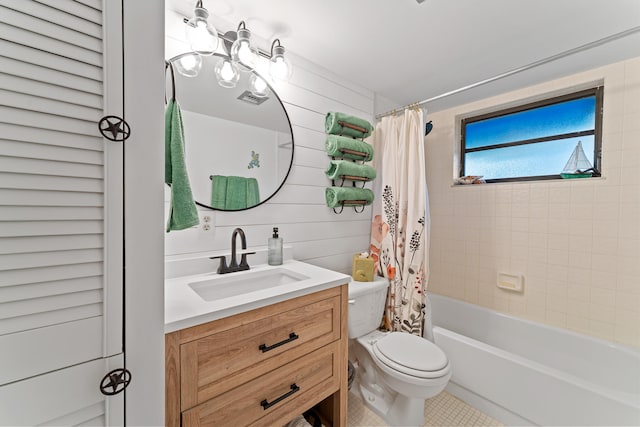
[(396, 371)]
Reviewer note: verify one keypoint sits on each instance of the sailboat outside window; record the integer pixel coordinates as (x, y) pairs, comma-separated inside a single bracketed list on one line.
[(578, 166)]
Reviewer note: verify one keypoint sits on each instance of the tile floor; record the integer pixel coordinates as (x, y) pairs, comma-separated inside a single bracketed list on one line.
[(442, 410)]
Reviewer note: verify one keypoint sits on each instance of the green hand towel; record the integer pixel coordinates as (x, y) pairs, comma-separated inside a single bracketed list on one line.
[(334, 143), (218, 191), (253, 193), (236, 193), (182, 210), (335, 195), (337, 168), (332, 127)]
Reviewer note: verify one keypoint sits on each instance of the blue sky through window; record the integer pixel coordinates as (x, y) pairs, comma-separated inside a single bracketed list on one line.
[(536, 159), (570, 116)]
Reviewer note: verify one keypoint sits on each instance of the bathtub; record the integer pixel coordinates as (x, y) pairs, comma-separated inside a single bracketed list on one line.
[(526, 373)]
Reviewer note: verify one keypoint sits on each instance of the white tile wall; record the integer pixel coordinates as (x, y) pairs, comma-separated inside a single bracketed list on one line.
[(577, 242), (318, 236)]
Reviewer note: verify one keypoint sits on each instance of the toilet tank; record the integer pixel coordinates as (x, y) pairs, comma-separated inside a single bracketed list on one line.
[(366, 305)]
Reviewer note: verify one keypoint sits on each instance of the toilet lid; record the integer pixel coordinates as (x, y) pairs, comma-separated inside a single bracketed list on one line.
[(410, 354)]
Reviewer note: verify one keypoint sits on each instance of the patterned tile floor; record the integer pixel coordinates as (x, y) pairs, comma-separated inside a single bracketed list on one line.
[(442, 410)]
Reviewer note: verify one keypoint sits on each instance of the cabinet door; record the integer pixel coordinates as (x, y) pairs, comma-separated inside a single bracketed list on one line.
[(60, 211)]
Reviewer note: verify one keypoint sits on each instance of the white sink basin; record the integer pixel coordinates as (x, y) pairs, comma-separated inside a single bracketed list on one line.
[(234, 284)]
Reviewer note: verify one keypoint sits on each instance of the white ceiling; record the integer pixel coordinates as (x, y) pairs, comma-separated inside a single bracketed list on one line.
[(407, 52)]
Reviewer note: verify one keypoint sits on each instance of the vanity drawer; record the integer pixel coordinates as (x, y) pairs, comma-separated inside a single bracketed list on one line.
[(221, 361), (272, 398)]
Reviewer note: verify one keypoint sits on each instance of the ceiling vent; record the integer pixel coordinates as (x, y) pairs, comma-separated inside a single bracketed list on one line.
[(247, 96)]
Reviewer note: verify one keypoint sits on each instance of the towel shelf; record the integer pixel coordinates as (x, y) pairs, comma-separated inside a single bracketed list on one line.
[(354, 127), (358, 152)]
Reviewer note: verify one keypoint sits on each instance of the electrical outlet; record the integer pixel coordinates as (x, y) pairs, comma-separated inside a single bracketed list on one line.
[(206, 227), (206, 218)]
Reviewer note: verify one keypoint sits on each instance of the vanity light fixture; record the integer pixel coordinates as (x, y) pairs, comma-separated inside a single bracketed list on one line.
[(204, 40), (227, 73), (202, 37), (189, 65), (279, 66), (241, 51)]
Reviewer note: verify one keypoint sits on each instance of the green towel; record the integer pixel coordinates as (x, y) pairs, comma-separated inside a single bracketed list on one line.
[(334, 143), (253, 193), (346, 167), (236, 193), (182, 210), (218, 191), (335, 195), (332, 127)]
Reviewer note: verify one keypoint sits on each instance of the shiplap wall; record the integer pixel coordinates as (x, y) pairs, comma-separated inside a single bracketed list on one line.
[(318, 236)]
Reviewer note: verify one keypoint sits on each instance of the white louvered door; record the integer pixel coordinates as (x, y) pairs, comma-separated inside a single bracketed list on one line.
[(60, 212)]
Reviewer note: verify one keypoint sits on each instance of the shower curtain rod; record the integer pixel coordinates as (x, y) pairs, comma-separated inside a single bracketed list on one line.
[(518, 70)]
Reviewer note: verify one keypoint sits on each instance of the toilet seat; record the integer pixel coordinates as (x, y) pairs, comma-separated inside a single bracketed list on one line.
[(411, 355)]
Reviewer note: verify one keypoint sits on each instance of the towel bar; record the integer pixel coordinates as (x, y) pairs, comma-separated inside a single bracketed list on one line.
[(354, 178), (354, 152), (355, 204), (351, 178), (354, 127)]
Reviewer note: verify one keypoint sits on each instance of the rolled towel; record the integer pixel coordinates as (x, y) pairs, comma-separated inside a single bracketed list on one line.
[(339, 168), (334, 143), (333, 127), (336, 195)]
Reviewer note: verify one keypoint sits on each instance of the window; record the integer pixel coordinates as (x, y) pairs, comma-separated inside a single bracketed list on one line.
[(533, 141)]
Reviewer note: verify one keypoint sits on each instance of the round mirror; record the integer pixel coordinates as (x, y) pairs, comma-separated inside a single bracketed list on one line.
[(238, 140)]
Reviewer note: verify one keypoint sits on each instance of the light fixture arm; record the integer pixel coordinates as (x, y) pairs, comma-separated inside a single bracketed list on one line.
[(273, 44)]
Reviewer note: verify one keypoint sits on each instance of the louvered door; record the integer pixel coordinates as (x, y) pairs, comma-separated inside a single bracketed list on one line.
[(60, 211)]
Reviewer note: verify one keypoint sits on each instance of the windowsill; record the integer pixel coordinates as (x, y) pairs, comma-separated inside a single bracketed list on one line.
[(533, 181)]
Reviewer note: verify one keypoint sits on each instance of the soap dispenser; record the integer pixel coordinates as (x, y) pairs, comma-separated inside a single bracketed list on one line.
[(274, 255)]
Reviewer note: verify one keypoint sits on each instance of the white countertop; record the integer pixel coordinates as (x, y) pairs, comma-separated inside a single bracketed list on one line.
[(184, 308)]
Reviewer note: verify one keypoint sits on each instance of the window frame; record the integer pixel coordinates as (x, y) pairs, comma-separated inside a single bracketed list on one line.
[(597, 132)]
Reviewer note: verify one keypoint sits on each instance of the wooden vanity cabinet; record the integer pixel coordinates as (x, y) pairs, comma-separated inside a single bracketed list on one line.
[(262, 367)]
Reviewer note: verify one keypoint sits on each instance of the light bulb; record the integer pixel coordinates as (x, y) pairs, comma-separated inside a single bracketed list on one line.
[(189, 65), (279, 67), (227, 73), (259, 87), (202, 37), (241, 51)]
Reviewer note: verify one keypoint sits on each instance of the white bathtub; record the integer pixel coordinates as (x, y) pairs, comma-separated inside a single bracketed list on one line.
[(527, 373)]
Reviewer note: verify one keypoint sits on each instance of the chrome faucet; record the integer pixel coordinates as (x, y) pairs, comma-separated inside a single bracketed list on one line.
[(233, 266)]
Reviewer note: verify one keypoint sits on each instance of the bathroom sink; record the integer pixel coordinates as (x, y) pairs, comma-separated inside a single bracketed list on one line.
[(234, 284)]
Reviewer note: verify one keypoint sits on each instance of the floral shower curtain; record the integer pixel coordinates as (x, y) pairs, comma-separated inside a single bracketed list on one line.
[(400, 228)]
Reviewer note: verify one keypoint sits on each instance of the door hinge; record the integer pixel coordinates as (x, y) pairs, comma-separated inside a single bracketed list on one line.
[(115, 381)]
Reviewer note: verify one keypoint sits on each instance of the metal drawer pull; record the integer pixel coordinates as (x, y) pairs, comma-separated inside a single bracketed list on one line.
[(266, 405), (292, 337)]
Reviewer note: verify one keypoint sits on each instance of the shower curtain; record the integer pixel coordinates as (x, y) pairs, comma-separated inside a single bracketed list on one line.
[(400, 227)]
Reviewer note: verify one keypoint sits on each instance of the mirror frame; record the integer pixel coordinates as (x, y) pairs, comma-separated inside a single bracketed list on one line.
[(245, 72)]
